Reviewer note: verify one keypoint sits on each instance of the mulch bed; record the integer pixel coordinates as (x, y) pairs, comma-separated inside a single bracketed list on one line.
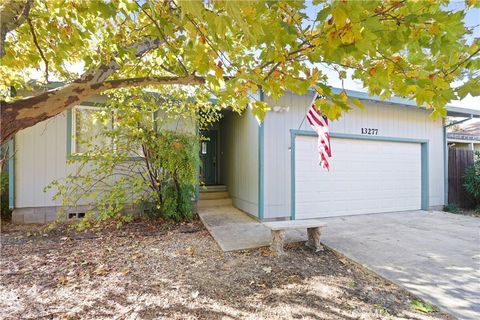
[(148, 270)]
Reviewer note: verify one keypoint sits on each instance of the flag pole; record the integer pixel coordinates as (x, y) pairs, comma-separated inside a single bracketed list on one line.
[(308, 106)]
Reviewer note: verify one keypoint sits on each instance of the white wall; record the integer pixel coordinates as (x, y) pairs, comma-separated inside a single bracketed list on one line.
[(40, 158), (239, 138), (391, 120)]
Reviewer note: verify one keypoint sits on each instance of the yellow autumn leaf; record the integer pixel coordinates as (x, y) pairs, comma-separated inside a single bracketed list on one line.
[(434, 29), (471, 3), (411, 88), (339, 16), (348, 37)]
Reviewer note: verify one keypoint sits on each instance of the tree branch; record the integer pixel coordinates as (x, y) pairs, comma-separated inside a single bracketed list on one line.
[(155, 22), (27, 112), (35, 41), (462, 62), (101, 73), (13, 13)]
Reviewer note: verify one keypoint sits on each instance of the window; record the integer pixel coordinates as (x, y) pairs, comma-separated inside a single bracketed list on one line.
[(87, 127)]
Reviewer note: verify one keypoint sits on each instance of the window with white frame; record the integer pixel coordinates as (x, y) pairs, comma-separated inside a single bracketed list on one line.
[(88, 127)]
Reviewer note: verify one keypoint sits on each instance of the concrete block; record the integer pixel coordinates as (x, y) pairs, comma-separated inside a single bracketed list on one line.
[(17, 216), (33, 215)]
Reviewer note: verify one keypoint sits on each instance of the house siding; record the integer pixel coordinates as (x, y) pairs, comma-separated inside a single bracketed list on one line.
[(391, 121), (240, 160), (41, 154)]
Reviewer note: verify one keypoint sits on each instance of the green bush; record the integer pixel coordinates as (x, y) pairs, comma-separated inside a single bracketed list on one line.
[(150, 166), (472, 181), (451, 207), (5, 210)]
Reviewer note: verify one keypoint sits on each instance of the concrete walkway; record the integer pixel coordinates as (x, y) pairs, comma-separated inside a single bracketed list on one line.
[(235, 230), (434, 255)]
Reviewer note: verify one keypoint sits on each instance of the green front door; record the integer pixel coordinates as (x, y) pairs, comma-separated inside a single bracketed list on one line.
[(208, 157)]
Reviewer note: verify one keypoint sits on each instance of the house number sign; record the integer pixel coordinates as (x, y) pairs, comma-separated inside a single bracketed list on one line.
[(370, 131)]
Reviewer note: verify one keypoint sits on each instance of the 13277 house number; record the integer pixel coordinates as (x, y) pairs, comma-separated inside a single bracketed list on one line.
[(370, 131)]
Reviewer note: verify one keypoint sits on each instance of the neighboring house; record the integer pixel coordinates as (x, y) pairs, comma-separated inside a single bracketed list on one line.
[(389, 156), (466, 137)]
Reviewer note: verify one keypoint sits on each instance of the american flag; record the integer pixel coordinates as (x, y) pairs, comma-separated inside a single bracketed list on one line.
[(319, 124)]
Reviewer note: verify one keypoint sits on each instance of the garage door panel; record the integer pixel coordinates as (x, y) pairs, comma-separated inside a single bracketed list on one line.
[(365, 177)]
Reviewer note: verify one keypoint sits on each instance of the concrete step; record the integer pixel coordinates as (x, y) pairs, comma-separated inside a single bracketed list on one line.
[(214, 195), (217, 188), (214, 203)]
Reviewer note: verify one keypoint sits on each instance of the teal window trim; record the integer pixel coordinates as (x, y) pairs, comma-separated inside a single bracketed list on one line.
[(261, 165), (69, 134), (11, 173), (424, 144)]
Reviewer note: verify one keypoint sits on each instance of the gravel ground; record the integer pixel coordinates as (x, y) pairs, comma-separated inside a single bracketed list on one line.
[(152, 271)]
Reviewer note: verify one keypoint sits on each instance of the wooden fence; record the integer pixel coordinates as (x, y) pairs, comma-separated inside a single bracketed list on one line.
[(458, 161)]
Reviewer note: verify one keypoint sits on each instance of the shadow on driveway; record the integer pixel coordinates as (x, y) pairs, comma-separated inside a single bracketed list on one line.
[(435, 255)]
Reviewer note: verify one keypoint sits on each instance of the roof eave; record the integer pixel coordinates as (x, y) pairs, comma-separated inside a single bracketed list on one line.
[(452, 111)]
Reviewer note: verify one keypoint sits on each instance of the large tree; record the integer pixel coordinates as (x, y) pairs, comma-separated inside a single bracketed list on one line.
[(413, 49)]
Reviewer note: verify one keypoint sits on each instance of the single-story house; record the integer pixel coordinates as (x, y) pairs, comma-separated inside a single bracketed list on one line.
[(390, 156), (467, 137)]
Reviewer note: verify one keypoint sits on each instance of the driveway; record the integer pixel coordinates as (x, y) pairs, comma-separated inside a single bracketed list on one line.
[(434, 255)]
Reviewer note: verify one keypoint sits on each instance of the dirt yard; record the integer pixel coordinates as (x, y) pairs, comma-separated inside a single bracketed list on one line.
[(146, 271)]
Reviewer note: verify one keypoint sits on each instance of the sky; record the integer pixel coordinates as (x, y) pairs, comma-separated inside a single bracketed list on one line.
[(472, 19)]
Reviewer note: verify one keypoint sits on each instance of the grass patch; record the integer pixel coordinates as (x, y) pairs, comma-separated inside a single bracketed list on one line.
[(452, 208), (421, 306), (383, 311)]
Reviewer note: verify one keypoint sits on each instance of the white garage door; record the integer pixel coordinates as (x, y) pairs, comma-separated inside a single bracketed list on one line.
[(365, 177)]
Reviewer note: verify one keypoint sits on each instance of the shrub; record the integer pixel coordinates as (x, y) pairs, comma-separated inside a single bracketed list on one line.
[(150, 165), (472, 181), (451, 207), (5, 210)]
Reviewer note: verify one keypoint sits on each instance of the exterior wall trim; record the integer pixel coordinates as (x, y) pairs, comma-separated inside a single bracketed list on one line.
[(11, 173), (261, 165), (69, 133), (425, 198), (445, 163)]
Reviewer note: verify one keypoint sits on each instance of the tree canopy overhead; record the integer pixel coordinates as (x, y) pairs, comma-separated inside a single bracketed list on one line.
[(412, 49)]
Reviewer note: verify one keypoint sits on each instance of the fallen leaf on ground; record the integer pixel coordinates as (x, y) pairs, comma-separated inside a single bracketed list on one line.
[(101, 270), (63, 280)]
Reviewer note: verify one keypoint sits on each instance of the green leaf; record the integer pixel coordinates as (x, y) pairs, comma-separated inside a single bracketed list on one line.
[(259, 109), (358, 103)]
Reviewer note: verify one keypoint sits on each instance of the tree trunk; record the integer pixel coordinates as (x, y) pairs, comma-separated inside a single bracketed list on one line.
[(27, 112), (178, 193)]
